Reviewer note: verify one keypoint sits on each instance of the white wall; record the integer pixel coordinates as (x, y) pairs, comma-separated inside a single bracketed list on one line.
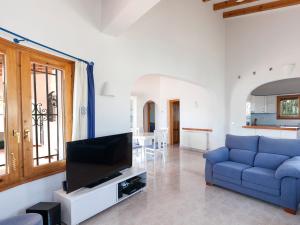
[(184, 39), (147, 89), (198, 108), (255, 43)]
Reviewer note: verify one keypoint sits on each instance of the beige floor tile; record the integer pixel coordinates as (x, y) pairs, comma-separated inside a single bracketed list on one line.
[(177, 195)]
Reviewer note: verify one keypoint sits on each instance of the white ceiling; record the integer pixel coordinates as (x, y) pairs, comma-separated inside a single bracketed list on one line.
[(281, 87), (118, 15)]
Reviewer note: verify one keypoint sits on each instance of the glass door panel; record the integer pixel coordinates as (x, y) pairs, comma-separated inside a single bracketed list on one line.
[(43, 103), (47, 126), (3, 152), (9, 118)]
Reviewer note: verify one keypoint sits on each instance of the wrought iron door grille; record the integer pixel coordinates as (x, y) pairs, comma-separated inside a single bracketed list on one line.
[(47, 127)]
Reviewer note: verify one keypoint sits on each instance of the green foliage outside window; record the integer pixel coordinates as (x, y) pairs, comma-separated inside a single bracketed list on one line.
[(289, 107)]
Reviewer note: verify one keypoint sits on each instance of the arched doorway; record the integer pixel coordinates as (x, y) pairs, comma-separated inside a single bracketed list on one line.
[(149, 116)]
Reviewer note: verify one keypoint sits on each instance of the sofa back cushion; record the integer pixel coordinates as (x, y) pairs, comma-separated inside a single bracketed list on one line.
[(242, 156), (269, 161), (288, 147), (249, 143)]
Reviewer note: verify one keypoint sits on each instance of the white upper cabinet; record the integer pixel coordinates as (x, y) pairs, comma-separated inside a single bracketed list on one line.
[(271, 104), (259, 104), (263, 104)]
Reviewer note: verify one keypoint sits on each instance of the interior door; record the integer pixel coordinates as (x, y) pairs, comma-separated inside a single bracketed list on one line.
[(146, 118), (44, 129), (10, 138), (176, 123)]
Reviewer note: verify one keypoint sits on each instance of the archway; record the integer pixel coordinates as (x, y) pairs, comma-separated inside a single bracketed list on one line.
[(274, 103), (197, 110), (243, 85)]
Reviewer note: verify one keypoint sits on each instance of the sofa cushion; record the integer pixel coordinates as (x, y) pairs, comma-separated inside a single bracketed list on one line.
[(289, 147), (218, 155), (230, 169), (26, 219), (242, 156), (227, 179), (261, 176), (242, 142), (261, 188), (269, 161)]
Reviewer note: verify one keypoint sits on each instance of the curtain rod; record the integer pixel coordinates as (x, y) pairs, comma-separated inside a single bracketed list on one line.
[(22, 38)]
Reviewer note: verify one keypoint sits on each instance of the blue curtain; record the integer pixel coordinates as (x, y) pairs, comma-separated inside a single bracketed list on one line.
[(91, 100)]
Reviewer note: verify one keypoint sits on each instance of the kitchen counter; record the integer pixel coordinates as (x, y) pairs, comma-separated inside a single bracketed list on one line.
[(269, 127), (286, 132)]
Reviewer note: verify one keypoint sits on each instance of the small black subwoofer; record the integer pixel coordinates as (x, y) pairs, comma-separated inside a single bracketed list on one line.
[(50, 211)]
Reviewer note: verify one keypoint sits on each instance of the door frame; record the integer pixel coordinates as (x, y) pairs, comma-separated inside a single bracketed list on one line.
[(170, 119), (26, 59), (12, 110), (17, 163)]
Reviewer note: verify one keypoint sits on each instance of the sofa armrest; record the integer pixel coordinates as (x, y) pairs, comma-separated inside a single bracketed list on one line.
[(290, 168), (218, 155)]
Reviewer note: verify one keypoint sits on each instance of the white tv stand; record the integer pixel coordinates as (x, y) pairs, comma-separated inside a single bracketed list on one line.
[(87, 202)]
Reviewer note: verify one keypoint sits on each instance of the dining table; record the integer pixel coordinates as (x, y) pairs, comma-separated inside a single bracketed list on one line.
[(144, 138)]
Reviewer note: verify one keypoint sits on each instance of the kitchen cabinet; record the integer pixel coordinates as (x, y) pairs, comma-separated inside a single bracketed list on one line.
[(259, 103), (263, 104), (269, 133), (271, 104)]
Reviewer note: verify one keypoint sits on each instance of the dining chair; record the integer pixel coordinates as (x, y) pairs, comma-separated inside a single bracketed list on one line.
[(135, 133), (158, 144), (165, 136)]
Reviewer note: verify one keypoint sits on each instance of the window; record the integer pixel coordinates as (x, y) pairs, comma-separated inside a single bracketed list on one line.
[(35, 113), (288, 107), (133, 112)]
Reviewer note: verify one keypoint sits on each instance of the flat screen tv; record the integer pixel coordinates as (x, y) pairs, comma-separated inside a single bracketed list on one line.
[(93, 161)]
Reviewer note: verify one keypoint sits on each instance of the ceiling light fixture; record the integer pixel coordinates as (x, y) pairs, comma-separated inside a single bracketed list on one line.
[(287, 69)]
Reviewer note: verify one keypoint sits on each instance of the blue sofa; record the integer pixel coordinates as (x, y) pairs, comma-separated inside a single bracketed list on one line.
[(26, 219), (261, 167)]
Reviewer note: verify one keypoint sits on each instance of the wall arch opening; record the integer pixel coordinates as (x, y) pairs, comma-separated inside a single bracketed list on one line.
[(197, 109), (275, 103)]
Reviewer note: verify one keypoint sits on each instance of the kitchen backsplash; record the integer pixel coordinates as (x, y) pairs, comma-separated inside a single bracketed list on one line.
[(270, 119)]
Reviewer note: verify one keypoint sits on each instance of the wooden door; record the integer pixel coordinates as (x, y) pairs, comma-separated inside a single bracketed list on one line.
[(174, 121), (46, 120), (146, 122), (10, 138), (18, 158)]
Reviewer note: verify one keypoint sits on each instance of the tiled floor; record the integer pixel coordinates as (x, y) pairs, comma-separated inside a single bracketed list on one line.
[(177, 195)]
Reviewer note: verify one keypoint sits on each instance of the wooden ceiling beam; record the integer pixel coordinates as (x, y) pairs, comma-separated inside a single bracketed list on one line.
[(231, 3), (261, 7)]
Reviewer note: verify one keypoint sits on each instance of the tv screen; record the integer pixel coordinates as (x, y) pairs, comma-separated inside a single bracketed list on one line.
[(91, 160)]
